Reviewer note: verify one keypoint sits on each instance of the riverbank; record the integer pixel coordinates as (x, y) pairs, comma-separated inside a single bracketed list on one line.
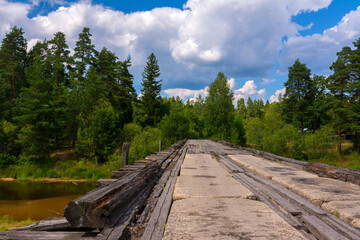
[(47, 180), (8, 223), (65, 170)]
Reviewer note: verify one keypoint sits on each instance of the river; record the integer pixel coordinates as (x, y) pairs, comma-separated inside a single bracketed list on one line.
[(38, 200)]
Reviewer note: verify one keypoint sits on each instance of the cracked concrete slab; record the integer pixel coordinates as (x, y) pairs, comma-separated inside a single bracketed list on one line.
[(202, 176), (226, 218), (332, 195), (348, 211), (210, 204)]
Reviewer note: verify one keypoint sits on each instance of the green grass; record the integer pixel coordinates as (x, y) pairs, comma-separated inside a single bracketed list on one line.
[(7, 223), (66, 169), (331, 156)]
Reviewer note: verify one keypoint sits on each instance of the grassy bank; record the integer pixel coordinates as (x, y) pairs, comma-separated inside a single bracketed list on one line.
[(327, 155), (7, 223), (65, 169)]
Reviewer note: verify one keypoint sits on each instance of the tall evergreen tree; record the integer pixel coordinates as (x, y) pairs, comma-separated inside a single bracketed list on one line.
[(84, 53), (13, 59), (127, 93), (219, 108), (338, 84), (59, 62), (36, 113), (355, 93), (151, 99), (299, 94)]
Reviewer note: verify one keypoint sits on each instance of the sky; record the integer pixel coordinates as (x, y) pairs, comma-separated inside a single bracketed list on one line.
[(252, 41)]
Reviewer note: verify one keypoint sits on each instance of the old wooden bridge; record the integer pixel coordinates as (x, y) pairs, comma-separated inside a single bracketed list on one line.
[(201, 189)]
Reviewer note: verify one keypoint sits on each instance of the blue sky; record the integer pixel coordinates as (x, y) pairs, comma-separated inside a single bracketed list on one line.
[(252, 42)]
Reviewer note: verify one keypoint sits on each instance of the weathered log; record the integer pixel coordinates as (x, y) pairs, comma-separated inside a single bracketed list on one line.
[(156, 225), (104, 206), (43, 235), (125, 154), (53, 224), (119, 174), (104, 182)]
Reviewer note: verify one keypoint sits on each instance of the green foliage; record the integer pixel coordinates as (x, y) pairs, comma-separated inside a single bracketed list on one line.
[(175, 126), (299, 94), (13, 60), (7, 223), (101, 138), (144, 143), (318, 144), (271, 133), (150, 105), (7, 160), (218, 108), (238, 134), (130, 131)]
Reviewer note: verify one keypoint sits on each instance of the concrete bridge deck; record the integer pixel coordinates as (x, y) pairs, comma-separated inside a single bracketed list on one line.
[(210, 204), (202, 189)]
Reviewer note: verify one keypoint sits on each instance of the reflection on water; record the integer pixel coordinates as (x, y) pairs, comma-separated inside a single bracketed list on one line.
[(38, 200)]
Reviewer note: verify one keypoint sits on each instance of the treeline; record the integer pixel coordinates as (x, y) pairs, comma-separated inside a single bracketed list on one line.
[(314, 114), (52, 100), (85, 102)]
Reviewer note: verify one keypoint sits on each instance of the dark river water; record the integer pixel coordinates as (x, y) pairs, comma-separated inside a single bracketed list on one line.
[(38, 200)]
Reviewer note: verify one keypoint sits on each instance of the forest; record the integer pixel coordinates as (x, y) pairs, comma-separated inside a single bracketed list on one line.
[(81, 107)]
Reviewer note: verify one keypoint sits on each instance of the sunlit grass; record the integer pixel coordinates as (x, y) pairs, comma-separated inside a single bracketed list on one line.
[(7, 223), (66, 169)]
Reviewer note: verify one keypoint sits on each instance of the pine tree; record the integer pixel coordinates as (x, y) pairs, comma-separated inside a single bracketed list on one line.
[(59, 62), (36, 114), (355, 93), (13, 59), (338, 84), (151, 99), (299, 94), (84, 53), (219, 108), (127, 92)]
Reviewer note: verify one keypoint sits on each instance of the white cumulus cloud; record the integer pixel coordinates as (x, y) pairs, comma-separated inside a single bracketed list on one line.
[(275, 98), (318, 51)]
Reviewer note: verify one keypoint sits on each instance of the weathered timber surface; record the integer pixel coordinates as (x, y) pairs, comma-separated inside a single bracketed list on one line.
[(44, 235), (156, 225), (53, 224), (322, 170), (103, 206), (104, 182)]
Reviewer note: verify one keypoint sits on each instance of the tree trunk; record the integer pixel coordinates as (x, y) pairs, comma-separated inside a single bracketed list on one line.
[(339, 144)]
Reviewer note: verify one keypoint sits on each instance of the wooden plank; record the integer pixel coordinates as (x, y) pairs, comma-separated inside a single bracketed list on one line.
[(345, 228), (320, 229), (125, 154), (104, 182), (53, 224), (155, 227), (119, 174), (44, 235), (304, 203), (270, 202)]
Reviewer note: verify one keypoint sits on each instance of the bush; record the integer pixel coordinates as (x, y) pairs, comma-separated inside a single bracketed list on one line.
[(175, 126), (317, 144), (144, 143), (238, 131), (130, 131), (6, 160)]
